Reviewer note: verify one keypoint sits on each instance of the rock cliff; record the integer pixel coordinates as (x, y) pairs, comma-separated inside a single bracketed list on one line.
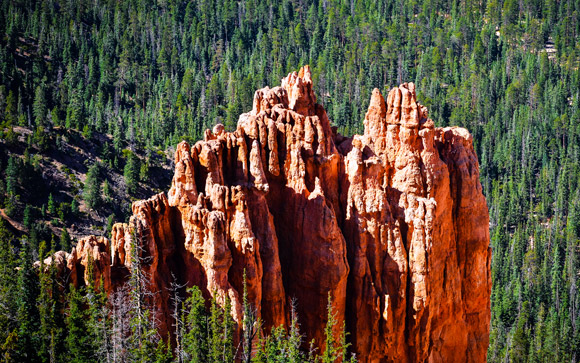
[(392, 224)]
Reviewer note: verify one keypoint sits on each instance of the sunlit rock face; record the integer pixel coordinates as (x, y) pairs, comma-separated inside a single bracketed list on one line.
[(391, 224)]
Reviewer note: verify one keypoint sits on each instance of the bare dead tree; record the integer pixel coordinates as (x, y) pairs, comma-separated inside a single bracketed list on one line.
[(120, 324), (134, 324), (143, 317), (251, 326), (177, 314)]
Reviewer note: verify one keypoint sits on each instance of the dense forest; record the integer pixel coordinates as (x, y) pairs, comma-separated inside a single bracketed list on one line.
[(147, 74)]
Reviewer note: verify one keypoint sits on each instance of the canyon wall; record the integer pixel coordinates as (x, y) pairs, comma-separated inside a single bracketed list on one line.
[(392, 225)]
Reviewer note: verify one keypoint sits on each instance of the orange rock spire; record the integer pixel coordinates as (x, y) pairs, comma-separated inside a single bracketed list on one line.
[(392, 224)]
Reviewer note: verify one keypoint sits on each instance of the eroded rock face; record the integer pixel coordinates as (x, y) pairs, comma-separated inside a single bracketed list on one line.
[(392, 225)]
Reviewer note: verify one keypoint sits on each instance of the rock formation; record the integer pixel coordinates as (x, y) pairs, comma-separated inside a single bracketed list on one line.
[(392, 225)]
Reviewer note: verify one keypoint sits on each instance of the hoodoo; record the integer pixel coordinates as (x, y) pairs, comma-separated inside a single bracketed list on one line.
[(392, 225)]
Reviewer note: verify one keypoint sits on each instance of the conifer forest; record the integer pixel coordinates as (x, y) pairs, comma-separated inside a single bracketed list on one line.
[(95, 96)]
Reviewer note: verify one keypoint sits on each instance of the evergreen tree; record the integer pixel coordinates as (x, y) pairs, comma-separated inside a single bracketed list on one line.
[(195, 343), (27, 313), (47, 308), (92, 189), (215, 337), (227, 332), (334, 350), (27, 218), (107, 191), (8, 290), (12, 175), (65, 240), (331, 352), (74, 207), (41, 138), (295, 355), (51, 205), (79, 341), (163, 352), (39, 106), (131, 173)]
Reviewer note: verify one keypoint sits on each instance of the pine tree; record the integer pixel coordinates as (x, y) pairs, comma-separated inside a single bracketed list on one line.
[(27, 218), (281, 346), (65, 240), (215, 336), (163, 352), (107, 191), (334, 350), (8, 322), (12, 175), (39, 106), (74, 207), (227, 329), (92, 189), (330, 350), (46, 308), (131, 173), (79, 340), (51, 205), (294, 338), (195, 343), (27, 311), (41, 138)]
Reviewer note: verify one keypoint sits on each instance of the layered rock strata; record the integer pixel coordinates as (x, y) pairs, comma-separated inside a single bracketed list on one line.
[(392, 225)]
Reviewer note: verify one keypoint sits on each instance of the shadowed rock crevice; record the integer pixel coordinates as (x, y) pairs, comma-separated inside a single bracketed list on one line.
[(392, 224)]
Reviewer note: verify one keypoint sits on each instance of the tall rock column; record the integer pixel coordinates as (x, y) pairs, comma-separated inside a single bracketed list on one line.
[(392, 225)]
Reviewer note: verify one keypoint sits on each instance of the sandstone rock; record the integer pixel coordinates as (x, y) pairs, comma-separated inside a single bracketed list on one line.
[(392, 225)]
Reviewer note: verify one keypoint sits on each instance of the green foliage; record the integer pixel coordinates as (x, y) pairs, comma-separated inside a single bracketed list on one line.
[(131, 172), (74, 207), (79, 341), (41, 138), (27, 313), (330, 349), (110, 222), (107, 192), (49, 309), (12, 174), (27, 219), (144, 172), (51, 205), (65, 240), (8, 279), (285, 347), (334, 350), (217, 349), (196, 345), (281, 346), (92, 189), (163, 352)]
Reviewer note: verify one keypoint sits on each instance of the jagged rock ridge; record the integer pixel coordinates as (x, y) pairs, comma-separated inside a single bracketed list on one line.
[(392, 224)]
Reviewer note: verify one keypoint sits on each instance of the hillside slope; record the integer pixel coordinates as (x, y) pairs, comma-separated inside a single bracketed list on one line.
[(46, 188)]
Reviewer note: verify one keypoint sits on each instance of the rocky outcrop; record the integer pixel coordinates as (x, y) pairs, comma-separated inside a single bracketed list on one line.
[(392, 225)]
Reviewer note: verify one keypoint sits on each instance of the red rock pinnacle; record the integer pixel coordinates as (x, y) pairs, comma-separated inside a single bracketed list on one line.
[(392, 224)]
